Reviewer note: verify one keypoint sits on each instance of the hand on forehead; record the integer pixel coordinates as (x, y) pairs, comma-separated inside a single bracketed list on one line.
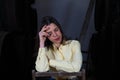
[(45, 28)]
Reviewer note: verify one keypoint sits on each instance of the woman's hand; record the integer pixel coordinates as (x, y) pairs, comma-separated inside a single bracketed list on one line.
[(43, 35)]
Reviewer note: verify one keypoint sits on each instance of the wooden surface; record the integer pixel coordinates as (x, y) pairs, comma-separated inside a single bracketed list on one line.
[(58, 74)]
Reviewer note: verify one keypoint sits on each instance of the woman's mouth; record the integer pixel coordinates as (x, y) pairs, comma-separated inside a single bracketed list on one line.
[(57, 39)]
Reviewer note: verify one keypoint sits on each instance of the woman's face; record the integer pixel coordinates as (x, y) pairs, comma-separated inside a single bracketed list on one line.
[(55, 34)]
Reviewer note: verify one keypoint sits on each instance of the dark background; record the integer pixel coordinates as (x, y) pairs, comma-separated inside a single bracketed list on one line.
[(19, 25)]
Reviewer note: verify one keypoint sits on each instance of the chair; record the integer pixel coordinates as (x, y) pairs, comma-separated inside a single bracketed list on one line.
[(81, 74)]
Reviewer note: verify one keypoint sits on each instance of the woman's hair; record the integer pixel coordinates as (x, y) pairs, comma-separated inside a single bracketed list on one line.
[(46, 20)]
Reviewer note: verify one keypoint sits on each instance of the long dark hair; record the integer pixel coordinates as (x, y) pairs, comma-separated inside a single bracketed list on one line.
[(46, 20)]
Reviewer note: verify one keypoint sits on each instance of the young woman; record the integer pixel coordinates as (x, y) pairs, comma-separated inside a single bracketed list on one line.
[(55, 51)]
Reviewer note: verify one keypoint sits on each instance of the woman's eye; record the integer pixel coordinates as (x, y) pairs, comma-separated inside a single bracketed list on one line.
[(56, 29), (49, 33)]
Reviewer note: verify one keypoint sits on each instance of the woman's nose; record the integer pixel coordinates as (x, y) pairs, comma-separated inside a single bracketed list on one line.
[(54, 34)]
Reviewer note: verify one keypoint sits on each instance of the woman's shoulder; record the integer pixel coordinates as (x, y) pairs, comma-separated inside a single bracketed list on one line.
[(72, 41)]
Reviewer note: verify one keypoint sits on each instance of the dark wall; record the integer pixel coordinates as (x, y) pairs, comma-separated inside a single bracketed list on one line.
[(18, 20), (7, 15), (104, 43), (18, 16)]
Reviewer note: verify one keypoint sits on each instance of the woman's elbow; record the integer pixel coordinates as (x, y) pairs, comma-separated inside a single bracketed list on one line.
[(77, 68), (44, 69)]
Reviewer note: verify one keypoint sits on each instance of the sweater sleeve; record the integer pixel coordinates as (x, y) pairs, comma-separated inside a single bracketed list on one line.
[(70, 66), (41, 63)]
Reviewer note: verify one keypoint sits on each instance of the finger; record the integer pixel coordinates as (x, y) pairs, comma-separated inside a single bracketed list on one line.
[(43, 34), (45, 28)]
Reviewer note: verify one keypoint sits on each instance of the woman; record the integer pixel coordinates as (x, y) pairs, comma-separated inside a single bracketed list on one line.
[(55, 51)]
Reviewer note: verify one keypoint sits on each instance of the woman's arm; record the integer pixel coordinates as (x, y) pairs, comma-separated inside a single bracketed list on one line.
[(41, 63), (70, 66)]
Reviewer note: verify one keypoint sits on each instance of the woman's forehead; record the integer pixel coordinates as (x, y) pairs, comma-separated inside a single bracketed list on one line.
[(52, 26)]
